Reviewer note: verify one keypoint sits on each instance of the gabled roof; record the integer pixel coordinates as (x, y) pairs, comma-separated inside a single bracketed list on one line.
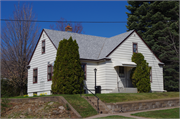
[(90, 47), (112, 42)]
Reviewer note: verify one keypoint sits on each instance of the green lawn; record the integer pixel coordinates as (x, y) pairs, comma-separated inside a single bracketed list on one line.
[(169, 113), (124, 97), (81, 105), (86, 110), (115, 116)]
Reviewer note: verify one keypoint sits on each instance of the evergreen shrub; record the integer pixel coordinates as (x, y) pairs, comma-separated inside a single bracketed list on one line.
[(68, 75), (141, 73)]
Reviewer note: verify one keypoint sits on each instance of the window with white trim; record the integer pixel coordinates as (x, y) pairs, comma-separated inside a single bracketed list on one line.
[(43, 46), (135, 48), (121, 71), (49, 72), (35, 75), (84, 69)]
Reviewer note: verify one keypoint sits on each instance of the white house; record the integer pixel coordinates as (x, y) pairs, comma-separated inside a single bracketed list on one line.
[(110, 56)]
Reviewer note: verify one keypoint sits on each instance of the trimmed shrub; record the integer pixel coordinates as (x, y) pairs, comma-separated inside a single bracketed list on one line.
[(68, 74), (141, 73)]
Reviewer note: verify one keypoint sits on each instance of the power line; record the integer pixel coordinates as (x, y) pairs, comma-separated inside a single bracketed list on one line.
[(67, 21), (76, 21)]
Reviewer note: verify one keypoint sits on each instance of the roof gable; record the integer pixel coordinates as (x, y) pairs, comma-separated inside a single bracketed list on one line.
[(90, 47), (122, 40), (112, 43)]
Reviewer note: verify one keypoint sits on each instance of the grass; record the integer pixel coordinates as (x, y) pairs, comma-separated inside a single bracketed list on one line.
[(81, 105), (124, 97), (115, 116), (86, 110), (168, 113)]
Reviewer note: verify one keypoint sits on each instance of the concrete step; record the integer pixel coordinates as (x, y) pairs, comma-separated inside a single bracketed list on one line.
[(102, 107), (95, 101), (115, 91), (129, 90), (125, 90)]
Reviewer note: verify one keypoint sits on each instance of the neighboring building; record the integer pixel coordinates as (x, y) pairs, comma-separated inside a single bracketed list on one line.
[(110, 56)]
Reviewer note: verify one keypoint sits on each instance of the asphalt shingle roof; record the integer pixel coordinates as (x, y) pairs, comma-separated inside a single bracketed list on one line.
[(90, 47)]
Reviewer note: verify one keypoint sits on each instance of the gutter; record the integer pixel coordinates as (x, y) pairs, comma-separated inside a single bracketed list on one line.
[(96, 60)]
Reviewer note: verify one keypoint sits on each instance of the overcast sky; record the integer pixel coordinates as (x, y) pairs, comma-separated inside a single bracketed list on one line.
[(77, 11)]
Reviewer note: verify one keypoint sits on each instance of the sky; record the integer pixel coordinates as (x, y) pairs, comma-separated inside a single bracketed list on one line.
[(77, 11)]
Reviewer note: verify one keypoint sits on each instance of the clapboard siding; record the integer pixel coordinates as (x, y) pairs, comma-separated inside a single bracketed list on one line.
[(90, 66), (40, 61), (111, 76), (106, 75), (100, 75), (124, 53)]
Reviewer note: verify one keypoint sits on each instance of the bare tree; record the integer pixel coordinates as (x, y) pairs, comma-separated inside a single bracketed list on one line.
[(18, 41), (76, 27)]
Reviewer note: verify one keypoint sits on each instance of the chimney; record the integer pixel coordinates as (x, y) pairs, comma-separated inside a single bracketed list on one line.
[(68, 28)]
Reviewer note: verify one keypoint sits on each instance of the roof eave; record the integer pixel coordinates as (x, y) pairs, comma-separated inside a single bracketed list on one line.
[(96, 60)]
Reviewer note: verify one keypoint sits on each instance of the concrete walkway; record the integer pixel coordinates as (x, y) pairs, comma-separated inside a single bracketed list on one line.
[(128, 114)]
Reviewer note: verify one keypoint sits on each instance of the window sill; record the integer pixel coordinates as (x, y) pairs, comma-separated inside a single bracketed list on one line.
[(43, 52), (34, 82), (49, 79)]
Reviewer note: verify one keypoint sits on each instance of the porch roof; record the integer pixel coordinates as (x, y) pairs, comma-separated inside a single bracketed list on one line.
[(124, 63)]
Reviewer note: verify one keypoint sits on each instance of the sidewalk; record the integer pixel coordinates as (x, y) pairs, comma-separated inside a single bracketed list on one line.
[(128, 114)]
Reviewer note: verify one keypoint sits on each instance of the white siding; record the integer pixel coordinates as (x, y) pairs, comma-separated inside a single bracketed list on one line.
[(106, 75), (111, 76), (40, 61), (100, 75), (90, 75), (124, 53)]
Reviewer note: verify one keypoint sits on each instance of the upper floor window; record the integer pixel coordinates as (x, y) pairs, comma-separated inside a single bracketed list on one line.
[(43, 46), (35, 75), (121, 71), (50, 72), (84, 69), (135, 48)]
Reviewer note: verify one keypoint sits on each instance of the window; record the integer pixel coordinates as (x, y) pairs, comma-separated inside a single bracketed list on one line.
[(84, 69), (43, 46), (35, 74), (151, 75), (135, 48), (121, 71), (49, 72)]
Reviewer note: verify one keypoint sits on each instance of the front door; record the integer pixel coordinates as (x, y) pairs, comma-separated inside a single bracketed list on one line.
[(122, 76)]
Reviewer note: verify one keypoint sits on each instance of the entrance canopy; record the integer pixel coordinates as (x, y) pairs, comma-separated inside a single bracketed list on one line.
[(124, 63)]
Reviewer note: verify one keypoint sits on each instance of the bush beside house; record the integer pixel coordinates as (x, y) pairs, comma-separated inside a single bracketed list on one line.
[(141, 73), (68, 74)]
